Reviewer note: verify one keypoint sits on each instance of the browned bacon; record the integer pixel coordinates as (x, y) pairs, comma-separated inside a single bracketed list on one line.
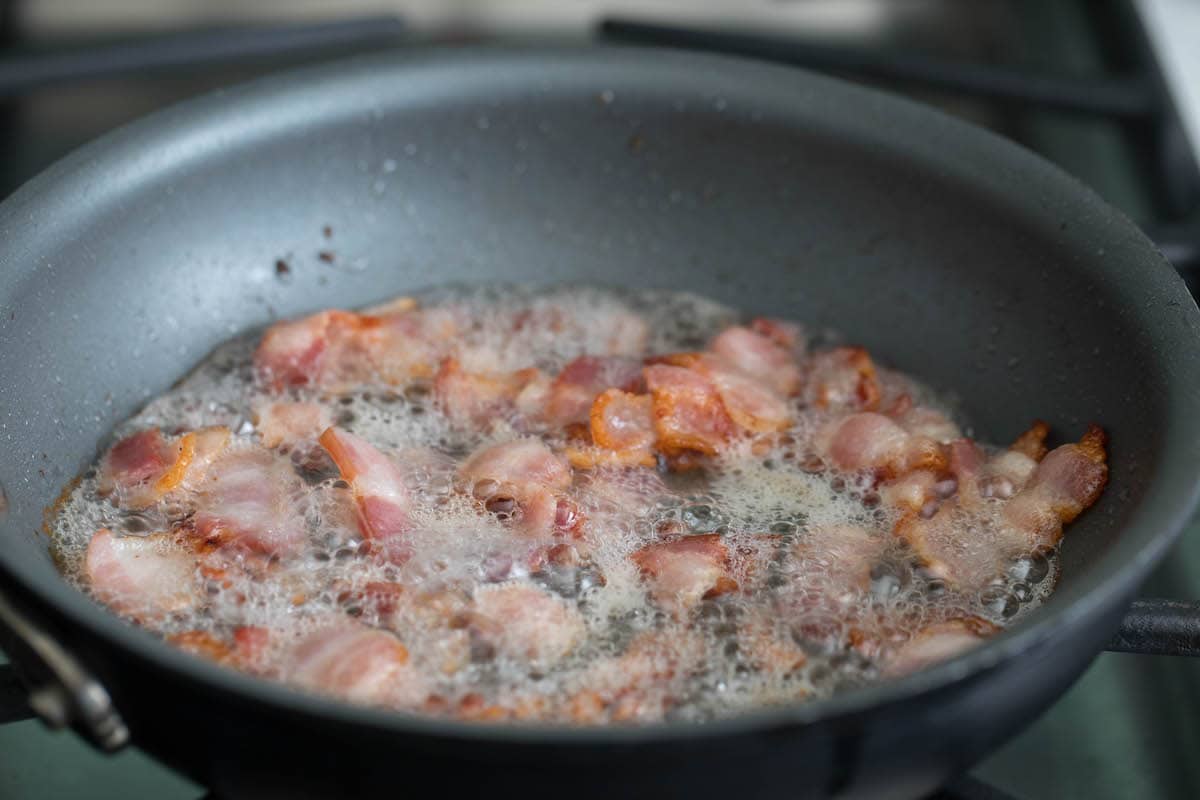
[(577, 386), (141, 576), (378, 485), (688, 413), (622, 432), (1068, 480)]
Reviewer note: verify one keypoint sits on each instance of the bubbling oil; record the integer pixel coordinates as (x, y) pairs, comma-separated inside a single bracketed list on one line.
[(789, 635)]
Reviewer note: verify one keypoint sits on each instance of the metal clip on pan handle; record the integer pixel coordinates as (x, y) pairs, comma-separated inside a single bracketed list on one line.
[(59, 690)]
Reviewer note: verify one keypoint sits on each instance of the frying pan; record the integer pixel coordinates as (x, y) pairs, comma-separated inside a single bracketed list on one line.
[(948, 252)]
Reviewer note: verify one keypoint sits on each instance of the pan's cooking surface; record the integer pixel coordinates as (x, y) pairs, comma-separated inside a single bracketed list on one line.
[(936, 242)]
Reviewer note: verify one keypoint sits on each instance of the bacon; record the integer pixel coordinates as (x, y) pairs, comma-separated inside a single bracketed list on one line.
[(927, 422), (913, 492), (525, 623), (1032, 443), (759, 357), (751, 405), (476, 398), (843, 379), (872, 441), (144, 467), (362, 665), (290, 423), (622, 430), (576, 387), (383, 501), (787, 335), (844, 555), (336, 349), (763, 645), (135, 465), (246, 500), (936, 643), (689, 415), (246, 650), (684, 571), (1068, 480), (519, 473), (640, 684), (141, 576)]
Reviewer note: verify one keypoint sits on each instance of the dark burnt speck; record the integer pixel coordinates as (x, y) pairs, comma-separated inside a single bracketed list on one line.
[(326, 256), (281, 267)]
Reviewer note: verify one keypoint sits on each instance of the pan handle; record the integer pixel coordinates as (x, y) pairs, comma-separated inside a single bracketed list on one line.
[(52, 684), (1159, 628)]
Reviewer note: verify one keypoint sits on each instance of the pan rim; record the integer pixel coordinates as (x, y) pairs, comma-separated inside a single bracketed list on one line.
[(1115, 573)]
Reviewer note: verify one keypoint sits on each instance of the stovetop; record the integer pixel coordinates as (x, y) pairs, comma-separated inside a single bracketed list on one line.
[(1103, 107)]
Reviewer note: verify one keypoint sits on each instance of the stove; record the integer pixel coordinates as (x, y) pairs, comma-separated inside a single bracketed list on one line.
[(1109, 90)]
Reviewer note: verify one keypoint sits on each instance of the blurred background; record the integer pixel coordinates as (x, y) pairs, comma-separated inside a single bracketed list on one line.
[(1107, 89)]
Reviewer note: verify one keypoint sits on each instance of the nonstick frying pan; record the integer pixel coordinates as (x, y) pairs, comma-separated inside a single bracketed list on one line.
[(945, 250)]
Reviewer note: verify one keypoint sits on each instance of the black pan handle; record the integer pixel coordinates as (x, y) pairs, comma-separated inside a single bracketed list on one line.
[(1159, 628), (51, 684)]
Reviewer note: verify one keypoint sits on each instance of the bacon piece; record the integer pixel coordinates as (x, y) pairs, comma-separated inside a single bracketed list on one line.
[(843, 555), (938, 642), (246, 500), (912, 492), (476, 398), (622, 430), (1068, 480), (143, 577), (684, 571), (526, 623), (134, 465), (576, 387), (245, 651), (927, 422), (872, 441), (787, 335), (689, 415), (335, 349), (383, 501), (752, 406), (291, 423), (523, 474), (641, 683), (843, 379), (759, 357), (296, 352), (1032, 443), (763, 644), (362, 665)]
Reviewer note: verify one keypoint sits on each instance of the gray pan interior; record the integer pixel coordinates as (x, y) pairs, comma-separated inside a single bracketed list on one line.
[(946, 251)]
